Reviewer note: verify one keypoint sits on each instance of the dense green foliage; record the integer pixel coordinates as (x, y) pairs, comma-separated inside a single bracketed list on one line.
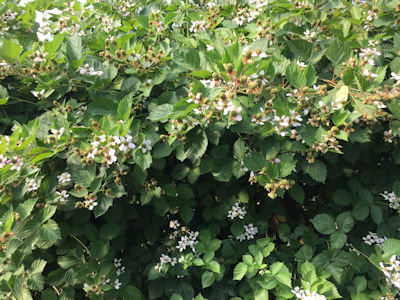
[(192, 149)]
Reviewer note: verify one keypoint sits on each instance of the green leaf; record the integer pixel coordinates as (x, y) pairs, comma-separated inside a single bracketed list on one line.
[(324, 224), (196, 144), (188, 58), (207, 279), (391, 247), (124, 108), (360, 211), (301, 48), (295, 76), (144, 160), (52, 46), (297, 193), (175, 296), (47, 212), (3, 95), (376, 214), (261, 295), (109, 231), (214, 266), (338, 239), (281, 273), (162, 150), (50, 232), (74, 49), (37, 266), (255, 161), (131, 292), (360, 283), (338, 52), (345, 222), (201, 74), (25, 209), (342, 197), (161, 113), (186, 213), (316, 170), (10, 51), (240, 271), (131, 85)]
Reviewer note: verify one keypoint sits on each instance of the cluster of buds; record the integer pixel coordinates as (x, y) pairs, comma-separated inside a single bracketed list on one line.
[(151, 186), (94, 289), (274, 185), (155, 23), (266, 30)]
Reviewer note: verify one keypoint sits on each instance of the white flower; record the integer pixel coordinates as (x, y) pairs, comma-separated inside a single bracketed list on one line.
[(117, 284), (249, 233), (86, 70), (38, 94), (64, 177), (3, 161), (58, 133), (17, 163), (237, 211), (394, 201), (63, 195), (210, 47), (31, 185), (146, 146), (301, 64), (174, 224), (90, 203), (309, 34)]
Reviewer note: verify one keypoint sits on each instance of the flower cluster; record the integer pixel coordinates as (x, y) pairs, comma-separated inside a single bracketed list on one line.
[(188, 241), (367, 53), (237, 211), (31, 185), (373, 238), (108, 148), (86, 70), (15, 162), (306, 294), (392, 271), (245, 15), (165, 259), (250, 232), (394, 201), (120, 269)]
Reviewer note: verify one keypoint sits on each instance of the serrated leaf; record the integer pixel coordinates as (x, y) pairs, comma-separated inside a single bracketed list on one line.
[(338, 52), (240, 271), (324, 224), (161, 113), (316, 170), (10, 51), (207, 279), (196, 144)]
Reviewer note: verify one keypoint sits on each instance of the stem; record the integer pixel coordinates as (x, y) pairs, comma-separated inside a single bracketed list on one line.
[(82, 244), (58, 293), (22, 286)]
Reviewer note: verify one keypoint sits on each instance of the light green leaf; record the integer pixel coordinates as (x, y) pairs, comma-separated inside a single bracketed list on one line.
[(240, 271), (207, 279), (10, 51)]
